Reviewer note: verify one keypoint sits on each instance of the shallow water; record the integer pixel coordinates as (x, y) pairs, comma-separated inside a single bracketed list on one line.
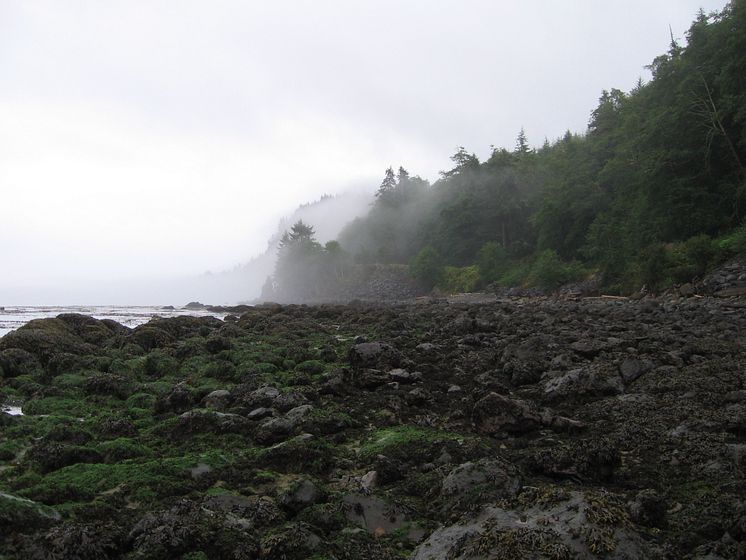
[(12, 410), (13, 317)]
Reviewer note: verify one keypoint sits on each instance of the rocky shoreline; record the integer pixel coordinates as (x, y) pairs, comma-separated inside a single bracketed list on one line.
[(461, 429)]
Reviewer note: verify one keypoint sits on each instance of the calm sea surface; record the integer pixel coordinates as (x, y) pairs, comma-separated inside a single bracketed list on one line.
[(13, 317)]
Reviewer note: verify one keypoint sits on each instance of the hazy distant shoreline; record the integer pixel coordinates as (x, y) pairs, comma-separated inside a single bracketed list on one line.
[(13, 317)]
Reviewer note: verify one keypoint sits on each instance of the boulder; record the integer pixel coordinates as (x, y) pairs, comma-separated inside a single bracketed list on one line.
[(20, 514), (499, 478), (649, 509), (179, 399), (497, 414), (403, 376), (275, 430), (218, 399), (45, 337), (299, 496), (296, 542), (592, 381), (375, 355), (208, 421), (576, 525), (632, 369), (15, 362)]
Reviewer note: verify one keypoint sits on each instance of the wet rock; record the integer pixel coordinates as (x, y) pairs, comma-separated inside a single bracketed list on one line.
[(64, 362), (296, 542), (328, 354), (592, 381), (631, 370), (260, 413), (298, 413), (403, 376), (370, 379), (77, 540), (110, 385), (20, 514), (496, 414), (418, 397), (649, 509), (218, 399), (275, 430), (369, 481), (216, 344), (150, 337), (588, 348), (117, 427), (179, 399), (576, 526), (15, 362), (208, 421), (491, 381), (288, 400), (428, 349), (374, 355), (5, 421), (687, 290), (261, 397), (735, 396), (302, 494), (52, 456), (497, 477), (246, 512), (591, 459), (45, 337), (201, 470), (374, 514), (189, 527)]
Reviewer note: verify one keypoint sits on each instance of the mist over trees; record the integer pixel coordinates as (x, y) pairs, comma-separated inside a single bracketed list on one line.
[(653, 193)]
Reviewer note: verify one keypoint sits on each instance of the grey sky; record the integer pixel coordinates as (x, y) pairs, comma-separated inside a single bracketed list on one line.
[(157, 137)]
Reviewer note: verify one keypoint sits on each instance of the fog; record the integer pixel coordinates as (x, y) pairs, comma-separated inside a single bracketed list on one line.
[(146, 143), (240, 284)]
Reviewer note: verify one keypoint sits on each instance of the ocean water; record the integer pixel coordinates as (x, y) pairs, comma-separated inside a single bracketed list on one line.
[(13, 317)]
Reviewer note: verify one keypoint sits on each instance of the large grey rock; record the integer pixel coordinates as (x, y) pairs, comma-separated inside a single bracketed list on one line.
[(495, 414), (633, 369), (594, 380), (578, 526), (218, 399), (375, 355), (499, 478), (301, 495)]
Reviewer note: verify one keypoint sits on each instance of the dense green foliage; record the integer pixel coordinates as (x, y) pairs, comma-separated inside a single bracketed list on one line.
[(639, 197)]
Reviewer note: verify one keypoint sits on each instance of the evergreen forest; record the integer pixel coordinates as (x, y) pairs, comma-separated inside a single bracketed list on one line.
[(651, 195)]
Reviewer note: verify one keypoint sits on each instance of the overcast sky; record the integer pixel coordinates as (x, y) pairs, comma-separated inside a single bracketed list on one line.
[(164, 137)]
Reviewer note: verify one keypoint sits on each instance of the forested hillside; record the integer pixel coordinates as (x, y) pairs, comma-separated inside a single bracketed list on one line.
[(652, 194)]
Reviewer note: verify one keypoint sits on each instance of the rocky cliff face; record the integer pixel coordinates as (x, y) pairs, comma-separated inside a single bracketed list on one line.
[(526, 428)]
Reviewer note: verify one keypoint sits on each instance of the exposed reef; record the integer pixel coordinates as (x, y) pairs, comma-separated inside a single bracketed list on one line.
[(524, 428)]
